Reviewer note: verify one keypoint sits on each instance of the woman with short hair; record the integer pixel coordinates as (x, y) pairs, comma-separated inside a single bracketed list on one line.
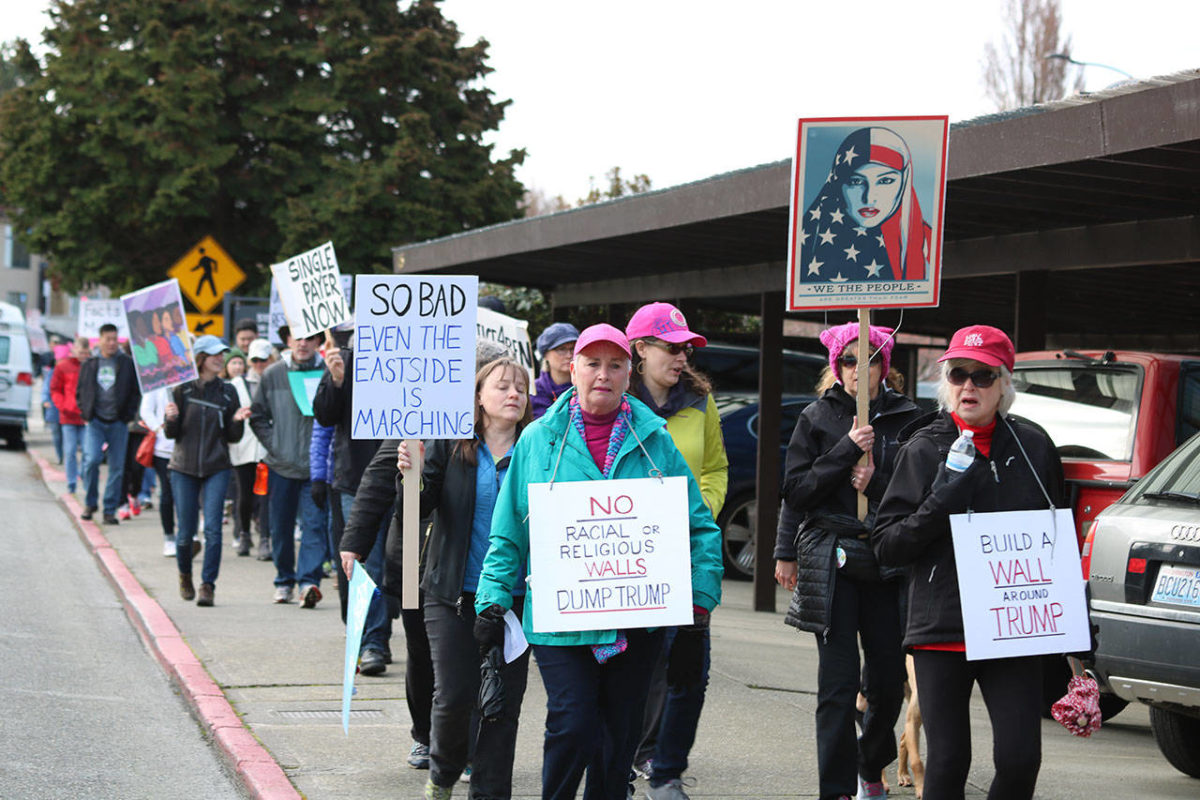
[(1016, 467)]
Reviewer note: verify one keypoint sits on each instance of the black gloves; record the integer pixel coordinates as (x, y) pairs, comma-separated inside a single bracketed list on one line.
[(955, 490), (489, 628), (685, 662), (320, 493)]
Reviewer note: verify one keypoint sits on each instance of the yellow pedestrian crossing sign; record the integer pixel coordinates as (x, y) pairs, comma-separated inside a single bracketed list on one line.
[(206, 273)]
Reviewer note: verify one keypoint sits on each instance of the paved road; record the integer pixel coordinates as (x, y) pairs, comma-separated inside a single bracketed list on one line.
[(280, 666), (87, 712)]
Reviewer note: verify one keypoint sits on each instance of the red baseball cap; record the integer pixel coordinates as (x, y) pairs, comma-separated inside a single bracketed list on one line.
[(981, 343), (603, 332), (662, 321)]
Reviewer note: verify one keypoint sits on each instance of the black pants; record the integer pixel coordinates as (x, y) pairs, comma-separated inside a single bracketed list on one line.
[(870, 610), (243, 498), (134, 472), (418, 672), (166, 498), (1012, 690), (455, 720)]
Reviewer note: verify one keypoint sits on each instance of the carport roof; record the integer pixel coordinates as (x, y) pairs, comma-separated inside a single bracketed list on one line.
[(1109, 181)]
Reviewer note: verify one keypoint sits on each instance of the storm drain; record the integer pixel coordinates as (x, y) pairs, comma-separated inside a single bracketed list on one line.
[(331, 714)]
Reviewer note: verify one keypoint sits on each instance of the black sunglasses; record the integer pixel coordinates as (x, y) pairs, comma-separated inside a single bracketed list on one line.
[(852, 361), (982, 378), (673, 348)]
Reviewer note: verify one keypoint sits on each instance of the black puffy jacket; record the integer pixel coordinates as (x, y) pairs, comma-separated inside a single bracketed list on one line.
[(817, 482), (204, 427), (912, 526)]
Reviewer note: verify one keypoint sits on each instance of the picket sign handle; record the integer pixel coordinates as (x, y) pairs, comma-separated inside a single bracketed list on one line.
[(863, 378), (411, 525)]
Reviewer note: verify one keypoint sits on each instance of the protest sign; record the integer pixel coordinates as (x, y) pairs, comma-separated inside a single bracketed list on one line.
[(310, 290), (610, 554), (1020, 584), (414, 357), (94, 313), (867, 205), (303, 384), (510, 333), (276, 318), (161, 346), (358, 600)]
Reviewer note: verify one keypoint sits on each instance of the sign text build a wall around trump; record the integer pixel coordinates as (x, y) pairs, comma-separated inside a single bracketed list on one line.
[(1020, 583), (610, 554), (414, 357)]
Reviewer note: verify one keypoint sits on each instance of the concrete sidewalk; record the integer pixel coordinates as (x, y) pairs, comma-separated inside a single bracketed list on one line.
[(265, 681)]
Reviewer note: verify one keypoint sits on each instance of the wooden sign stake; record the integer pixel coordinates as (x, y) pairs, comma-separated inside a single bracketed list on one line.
[(411, 558), (863, 379)]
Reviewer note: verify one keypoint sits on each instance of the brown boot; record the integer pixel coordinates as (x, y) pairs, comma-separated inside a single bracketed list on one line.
[(186, 590), (206, 595)]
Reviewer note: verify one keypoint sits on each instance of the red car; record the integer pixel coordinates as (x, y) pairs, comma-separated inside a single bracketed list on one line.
[(1113, 416)]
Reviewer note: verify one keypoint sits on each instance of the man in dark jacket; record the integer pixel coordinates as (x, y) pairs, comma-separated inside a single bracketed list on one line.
[(286, 432), (332, 407), (108, 398)]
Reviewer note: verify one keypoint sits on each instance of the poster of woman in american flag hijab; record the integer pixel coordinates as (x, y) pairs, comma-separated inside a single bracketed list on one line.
[(868, 197)]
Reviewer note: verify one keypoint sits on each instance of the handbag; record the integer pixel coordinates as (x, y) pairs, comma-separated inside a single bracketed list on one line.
[(145, 451)]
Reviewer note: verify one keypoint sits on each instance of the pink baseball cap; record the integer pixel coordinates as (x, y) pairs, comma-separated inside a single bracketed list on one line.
[(662, 321), (981, 343), (603, 332)]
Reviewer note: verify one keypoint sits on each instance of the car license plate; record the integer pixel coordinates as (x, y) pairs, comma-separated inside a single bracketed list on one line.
[(1177, 585)]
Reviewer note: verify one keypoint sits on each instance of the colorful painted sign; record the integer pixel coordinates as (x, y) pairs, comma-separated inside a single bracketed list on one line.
[(868, 200), (159, 340)]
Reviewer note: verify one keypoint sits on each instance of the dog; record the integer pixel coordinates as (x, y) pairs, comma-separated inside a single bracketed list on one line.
[(911, 769)]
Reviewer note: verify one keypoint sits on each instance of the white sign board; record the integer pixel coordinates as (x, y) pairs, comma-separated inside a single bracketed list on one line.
[(310, 290), (277, 319), (414, 357), (1021, 586), (510, 333), (94, 313), (610, 554)]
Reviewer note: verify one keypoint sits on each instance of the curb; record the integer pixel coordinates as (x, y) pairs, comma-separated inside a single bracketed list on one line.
[(258, 771)]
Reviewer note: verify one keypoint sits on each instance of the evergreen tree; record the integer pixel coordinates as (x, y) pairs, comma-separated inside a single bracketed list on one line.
[(274, 127)]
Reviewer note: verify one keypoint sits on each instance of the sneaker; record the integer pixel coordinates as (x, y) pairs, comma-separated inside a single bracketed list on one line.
[(243, 544), (872, 789), (309, 596), (671, 790), (146, 503), (371, 662), (205, 597), (435, 792), (418, 756), (88, 512), (123, 512), (284, 594), (264, 549), (466, 774), (644, 769), (134, 507), (169, 548), (111, 519)]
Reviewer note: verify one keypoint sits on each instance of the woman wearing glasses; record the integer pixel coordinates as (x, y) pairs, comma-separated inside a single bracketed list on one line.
[(663, 379), (1016, 467), (839, 593)]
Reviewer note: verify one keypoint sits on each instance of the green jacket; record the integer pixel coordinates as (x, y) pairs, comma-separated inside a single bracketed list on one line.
[(534, 460)]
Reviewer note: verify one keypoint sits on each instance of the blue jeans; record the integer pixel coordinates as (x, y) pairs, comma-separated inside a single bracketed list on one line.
[(57, 436), (377, 632), (680, 717), (287, 497), (189, 491), (73, 436), (594, 715), (116, 434)]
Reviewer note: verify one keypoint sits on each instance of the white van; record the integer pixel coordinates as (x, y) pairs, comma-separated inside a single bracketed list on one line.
[(16, 375)]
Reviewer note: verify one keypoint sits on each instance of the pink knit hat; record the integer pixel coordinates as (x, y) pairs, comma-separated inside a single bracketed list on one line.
[(837, 338), (61, 351)]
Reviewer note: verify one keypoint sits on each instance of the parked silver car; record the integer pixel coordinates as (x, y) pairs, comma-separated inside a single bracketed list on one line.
[(1142, 555)]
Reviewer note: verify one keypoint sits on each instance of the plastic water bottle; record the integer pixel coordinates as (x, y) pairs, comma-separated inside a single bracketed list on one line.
[(962, 452)]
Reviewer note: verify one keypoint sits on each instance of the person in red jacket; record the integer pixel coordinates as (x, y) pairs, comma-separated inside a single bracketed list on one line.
[(62, 394)]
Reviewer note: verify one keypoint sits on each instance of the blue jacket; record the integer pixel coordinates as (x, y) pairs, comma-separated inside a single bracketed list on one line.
[(320, 453), (534, 460)]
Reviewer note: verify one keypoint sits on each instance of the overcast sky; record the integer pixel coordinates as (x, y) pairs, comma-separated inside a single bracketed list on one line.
[(684, 89)]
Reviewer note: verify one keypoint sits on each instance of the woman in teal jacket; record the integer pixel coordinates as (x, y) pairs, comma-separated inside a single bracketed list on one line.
[(595, 681)]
